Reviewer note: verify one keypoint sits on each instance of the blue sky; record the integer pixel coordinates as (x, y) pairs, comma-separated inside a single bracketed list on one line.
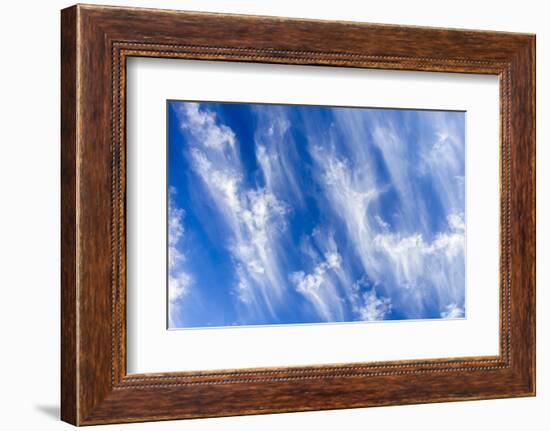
[(290, 214)]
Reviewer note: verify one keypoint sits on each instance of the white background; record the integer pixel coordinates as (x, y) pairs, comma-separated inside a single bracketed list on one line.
[(151, 348), (29, 227)]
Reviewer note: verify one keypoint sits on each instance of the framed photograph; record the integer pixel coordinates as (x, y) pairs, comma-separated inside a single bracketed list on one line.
[(264, 215)]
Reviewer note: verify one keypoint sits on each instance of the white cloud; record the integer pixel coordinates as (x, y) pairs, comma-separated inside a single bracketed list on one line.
[(415, 265), (449, 242), (452, 311), (179, 280), (456, 222), (254, 216), (203, 124), (319, 287), (373, 307), (242, 289), (223, 181), (401, 253), (442, 161), (306, 283), (276, 153), (262, 213), (381, 223), (411, 255), (443, 152), (350, 195), (334, 260)]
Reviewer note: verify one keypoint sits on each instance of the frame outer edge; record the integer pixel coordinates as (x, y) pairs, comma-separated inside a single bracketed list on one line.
[(533, 53), (531, 83), (523, 177), (69, 202), (532, 101)]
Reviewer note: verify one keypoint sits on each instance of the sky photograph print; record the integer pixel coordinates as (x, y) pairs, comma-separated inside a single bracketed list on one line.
[(294, 214)]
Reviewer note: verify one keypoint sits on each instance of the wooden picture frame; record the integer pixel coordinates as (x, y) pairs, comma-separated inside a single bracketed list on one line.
[(95, 43)]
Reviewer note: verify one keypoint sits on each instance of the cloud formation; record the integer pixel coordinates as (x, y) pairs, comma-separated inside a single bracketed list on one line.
[(413, 263), (179, 280), (254, 216), (373, 308), (452, 311), (317, 214), (319, 288)]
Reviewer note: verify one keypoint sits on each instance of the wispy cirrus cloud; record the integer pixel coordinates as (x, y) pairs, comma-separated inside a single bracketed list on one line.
[(276, 153), (325, 214), (205, 128), (349, 194), (320, 289), (373, 307), (429, 266), (254, 215), (452, 311), (396, 255), (179, 280)]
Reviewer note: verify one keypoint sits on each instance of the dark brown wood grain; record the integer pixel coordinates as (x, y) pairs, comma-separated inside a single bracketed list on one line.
[(68, 216), (96, 41)]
